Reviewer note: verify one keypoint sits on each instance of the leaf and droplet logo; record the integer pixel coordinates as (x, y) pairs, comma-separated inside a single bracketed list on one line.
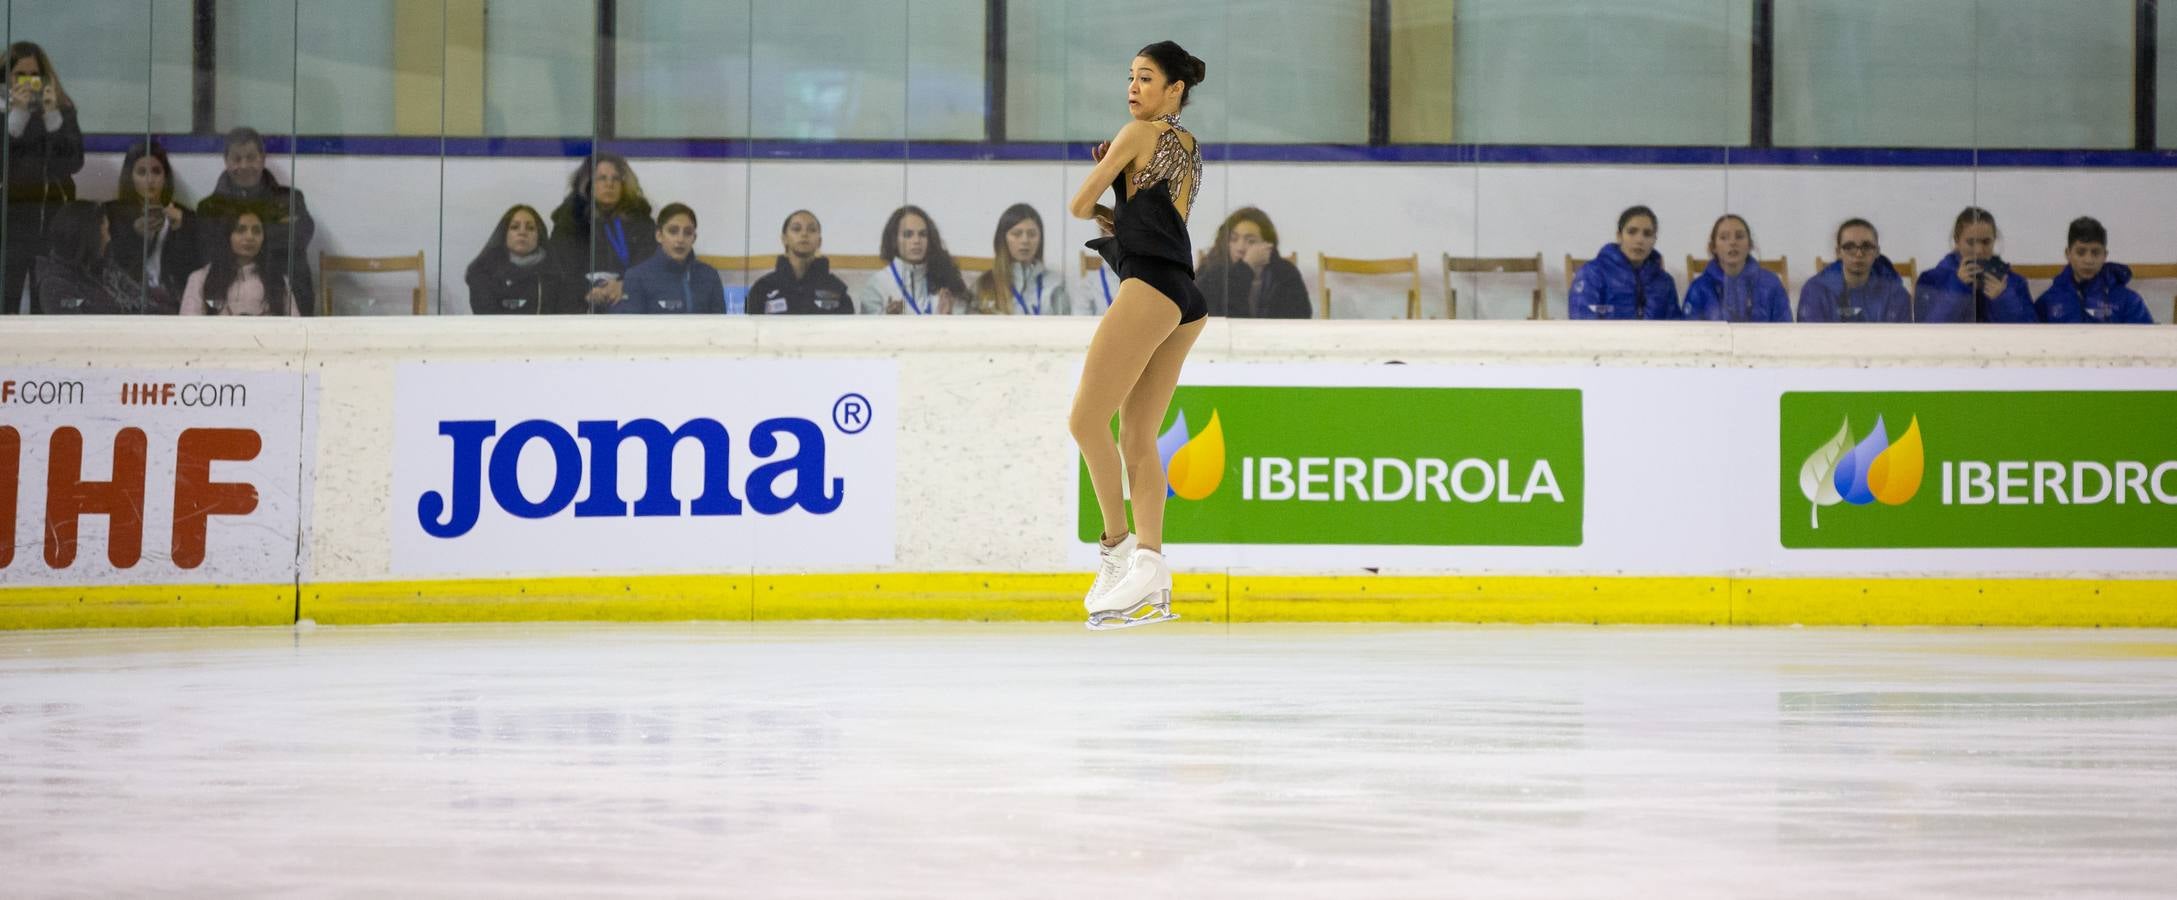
[(1193, 465), (1870, 471)]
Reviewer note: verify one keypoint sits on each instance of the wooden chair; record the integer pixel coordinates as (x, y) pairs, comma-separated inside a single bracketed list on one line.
[(1572, 269), (2038, 271), (1326, 265), (1907, 269), (974, 264), (1201, 258), (1782, 267), (327, 265), (754, 266), (1511, 265)]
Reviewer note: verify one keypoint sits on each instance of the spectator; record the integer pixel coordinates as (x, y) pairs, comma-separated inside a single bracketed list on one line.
[(2092, 289), (673, 280), (1972, 284), (244, 280), (76, 276), (1861, 286), (1626, 280), (1246, 276), (803, 283), (604, 228), (919, 276), (1018, 283), (44, 152), (1734, 287), (247, 186), (516, 274), (155, 236)]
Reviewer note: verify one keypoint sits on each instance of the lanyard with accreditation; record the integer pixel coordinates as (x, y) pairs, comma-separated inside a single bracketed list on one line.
[(909, 296), (1022, 301)]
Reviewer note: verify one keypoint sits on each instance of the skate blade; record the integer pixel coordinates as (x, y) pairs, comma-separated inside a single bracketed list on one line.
[(1144, 613)]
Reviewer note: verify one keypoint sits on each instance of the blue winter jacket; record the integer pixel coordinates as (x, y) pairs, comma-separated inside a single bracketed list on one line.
[(1941, 297), (660, 285), (1756, 295), (1623, 291), (2106, 294), (1882, 299)]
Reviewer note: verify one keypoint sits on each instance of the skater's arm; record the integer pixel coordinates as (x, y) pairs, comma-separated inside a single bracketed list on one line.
[(1137, 139)]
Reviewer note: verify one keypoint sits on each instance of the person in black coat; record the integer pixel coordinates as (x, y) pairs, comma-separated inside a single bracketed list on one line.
[(803, 283), (517, 274), (154, 235), (44, 152), (1246, 277), (76, 276), (604, 228), (247, 186)]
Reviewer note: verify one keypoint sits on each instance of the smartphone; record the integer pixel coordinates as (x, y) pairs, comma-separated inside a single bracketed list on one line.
[(35, 82), (1995, 265)]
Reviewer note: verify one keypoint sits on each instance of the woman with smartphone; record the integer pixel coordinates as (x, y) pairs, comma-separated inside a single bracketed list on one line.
[(1973, 283), (45, 151), (154, 233)]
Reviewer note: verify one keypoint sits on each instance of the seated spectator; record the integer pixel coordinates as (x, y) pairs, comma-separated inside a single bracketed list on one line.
[(673, 280), (803, 283), (155, 236), (1246, 276), (919, 276), (1972, 284), (44, 152), (244, 280), (248, 187), (1734, 287), (1018, 283), (604, 228), (1861, 286), (2092, 289), (516, 273), (1626, 280), (76, 276)]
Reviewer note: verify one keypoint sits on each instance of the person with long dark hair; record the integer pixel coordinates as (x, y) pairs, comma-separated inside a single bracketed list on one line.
[(919, 276), (247, 186), (1973, 283), (1246, 275), (1018, 283), (1626, 279), (1153, 167), (604, 228), (802, 283), (516, 273), (44, 153), (76, 276), (154, 234), (243, 279)]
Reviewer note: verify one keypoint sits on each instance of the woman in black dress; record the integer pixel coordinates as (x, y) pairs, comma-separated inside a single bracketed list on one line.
[(1153, 168)]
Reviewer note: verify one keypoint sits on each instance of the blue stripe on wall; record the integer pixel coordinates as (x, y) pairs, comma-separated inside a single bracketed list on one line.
[(973, 151)]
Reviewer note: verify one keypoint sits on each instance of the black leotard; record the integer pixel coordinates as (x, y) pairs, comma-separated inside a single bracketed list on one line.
[(1149, 239)]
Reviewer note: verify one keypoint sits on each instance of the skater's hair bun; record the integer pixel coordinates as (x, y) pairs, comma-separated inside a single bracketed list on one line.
[(1178, 65)]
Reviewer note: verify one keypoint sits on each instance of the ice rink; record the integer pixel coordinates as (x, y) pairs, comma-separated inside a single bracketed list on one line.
[(1182, 760)]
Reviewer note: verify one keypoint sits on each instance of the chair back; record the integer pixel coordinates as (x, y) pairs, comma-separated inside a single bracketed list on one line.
[(328, 264)]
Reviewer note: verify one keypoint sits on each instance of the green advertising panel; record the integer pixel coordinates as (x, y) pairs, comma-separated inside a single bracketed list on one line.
[(1369, 466), (1978, 469)]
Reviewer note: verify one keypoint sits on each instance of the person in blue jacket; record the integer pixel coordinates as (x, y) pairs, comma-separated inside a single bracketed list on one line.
[(1972, 284), (1626, 280), (673, 281), (1734, 287), (2092, 289), (1861, 286)]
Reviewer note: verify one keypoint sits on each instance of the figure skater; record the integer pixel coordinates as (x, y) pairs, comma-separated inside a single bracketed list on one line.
[(1153, 168)]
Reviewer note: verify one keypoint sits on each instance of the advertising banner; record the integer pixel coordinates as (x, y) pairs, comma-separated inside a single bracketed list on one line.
[(652, 466), (180, 476)]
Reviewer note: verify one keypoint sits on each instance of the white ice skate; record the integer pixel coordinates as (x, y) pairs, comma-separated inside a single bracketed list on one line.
[(1115, 559), (1142, 596)]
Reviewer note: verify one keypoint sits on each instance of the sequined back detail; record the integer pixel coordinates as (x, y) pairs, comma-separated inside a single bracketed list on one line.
[(1174, 162)]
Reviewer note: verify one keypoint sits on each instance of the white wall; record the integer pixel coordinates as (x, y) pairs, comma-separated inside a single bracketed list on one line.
[(395, 205)]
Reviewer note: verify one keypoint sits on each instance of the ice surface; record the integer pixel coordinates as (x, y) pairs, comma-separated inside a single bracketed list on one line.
[(1183, 760)]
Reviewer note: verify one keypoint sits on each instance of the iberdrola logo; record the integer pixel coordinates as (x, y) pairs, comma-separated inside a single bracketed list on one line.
[(1873, 470), (1193, 467)]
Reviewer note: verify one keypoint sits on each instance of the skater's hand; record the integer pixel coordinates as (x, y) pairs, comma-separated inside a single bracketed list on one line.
[(1097, 154), (1104, 222)]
